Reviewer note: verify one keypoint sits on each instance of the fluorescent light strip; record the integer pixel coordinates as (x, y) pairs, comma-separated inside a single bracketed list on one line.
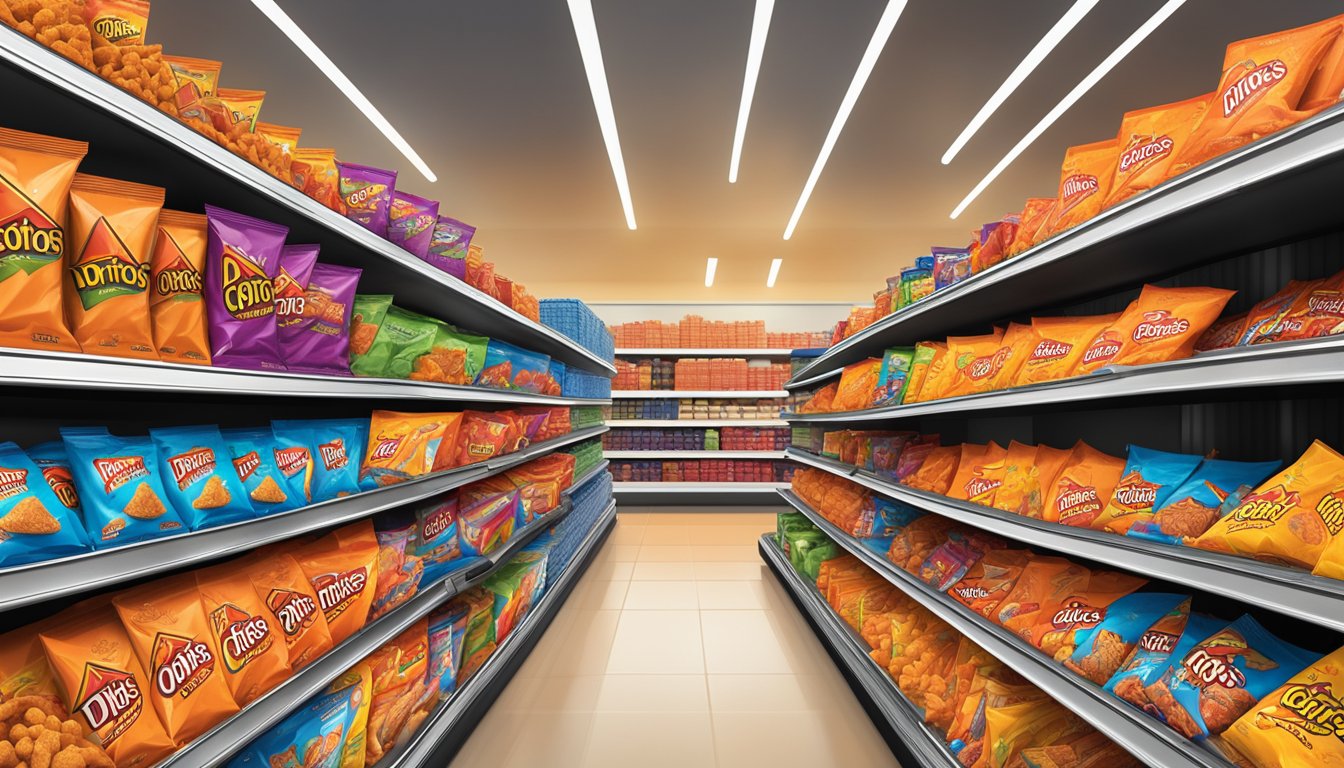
[(760, 26), (774, 272), (884, 27), (585, 29), (711, 264), (338, 78), (1073, 96), (1028, 65)]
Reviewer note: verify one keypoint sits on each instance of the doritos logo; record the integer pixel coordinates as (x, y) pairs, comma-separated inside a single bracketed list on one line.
[(1156, 641), (191, 467), (13, 482), (1158, 325), (1076, 500), (337, 591), (1267, 508), (1135, 493), (62, 483), (246, 464), (29, 239), (242, 636), (181, 665), (333, 454), (1207, 668), (1077, 615), (386, 448), (1144, 151), (248, 292), (1331, 510), (1076, 189), (1252, 86), (109, 699), (114, 29), (1318, 710), (1050, 349), (106, 268), (292, 461), (1104, 348), (116, 471), (979, 487), (294, 610), (179, 277)]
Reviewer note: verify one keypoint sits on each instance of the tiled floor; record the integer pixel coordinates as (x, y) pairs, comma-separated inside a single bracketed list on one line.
[(678, 648)]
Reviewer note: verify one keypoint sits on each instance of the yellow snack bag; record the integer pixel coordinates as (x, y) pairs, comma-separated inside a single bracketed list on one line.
[(926, 354), (1300, 723)]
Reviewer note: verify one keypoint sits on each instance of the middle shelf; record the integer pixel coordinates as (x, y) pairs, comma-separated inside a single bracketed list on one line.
[(656, 455)]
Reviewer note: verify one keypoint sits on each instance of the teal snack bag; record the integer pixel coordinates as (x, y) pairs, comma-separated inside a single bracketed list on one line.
[(442, 671), (253, 454), (294, 459), (195, 465), (335, 450), (311, 736), (52, 459), (119, 487), (510, 367), (894, 377), (34, 523), (1170, 638), (1148, 479), (1194, 506)]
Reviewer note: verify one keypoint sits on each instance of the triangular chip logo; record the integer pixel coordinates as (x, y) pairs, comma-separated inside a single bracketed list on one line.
[(180, 276), (29, 239), (106, 268), (109, 699), (180, 665), (248, 292), (242, 636), (294, 610)]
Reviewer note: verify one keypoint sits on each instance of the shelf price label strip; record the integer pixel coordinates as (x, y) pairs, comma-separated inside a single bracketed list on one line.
[(1141, 736), (1284, 590)]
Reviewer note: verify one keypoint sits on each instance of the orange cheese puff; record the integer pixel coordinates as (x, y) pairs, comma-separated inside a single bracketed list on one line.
[(1083, 487), (1060, 343), (980, 472), (1162, 324), (176, 309), (282, 136), (927, 354), (112, 227), (117, 22), (1149, 141), (35, 176), (172, 641), (290, 599), (1034, 214), (857, 384), (1084, 182), (103, 683), (250, 644), (935, 474), (1291, 517), (342, 567), (1327, 82), (971, 364), (1260, 90), (24, 670)]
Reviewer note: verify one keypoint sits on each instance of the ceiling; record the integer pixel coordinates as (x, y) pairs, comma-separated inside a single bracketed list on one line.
[(493, 95)]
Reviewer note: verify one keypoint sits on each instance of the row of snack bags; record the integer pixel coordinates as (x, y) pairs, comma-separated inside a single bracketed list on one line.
[(1268, 83), (188, 88), (1293, 517), (94, 490)]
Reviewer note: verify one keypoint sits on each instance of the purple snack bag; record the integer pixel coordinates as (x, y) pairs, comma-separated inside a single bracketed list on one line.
[(242, 260), (411, 222), (296, 266), (448, 246), (320, 341), (367, 193)]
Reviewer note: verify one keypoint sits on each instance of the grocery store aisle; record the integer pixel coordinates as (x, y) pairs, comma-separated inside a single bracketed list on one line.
[(678, 648)]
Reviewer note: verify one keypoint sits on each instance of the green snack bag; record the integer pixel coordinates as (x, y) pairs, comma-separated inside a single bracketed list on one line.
[(895, 375), (823, 551), (478, 641), (402, 338), (919, 369), (453, 357), (366, 318)]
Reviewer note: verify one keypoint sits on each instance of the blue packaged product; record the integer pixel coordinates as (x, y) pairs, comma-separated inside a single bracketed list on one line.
[(34, 523), (510, 367), (253, 452), (895, 374), (334, 459), (1102, 648), (52, 459), (366, 481), (1148, 479), (197, 473), (311, 737), (485, 525), (1171, 637), (294, 459), (885, 518), (1194, 506), (446, 626), (120, 492), (436, 540)]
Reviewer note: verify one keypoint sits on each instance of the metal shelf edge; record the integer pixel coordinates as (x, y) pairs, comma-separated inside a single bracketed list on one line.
[(701, 352), (700, 394), (692, 423), (669, 455)]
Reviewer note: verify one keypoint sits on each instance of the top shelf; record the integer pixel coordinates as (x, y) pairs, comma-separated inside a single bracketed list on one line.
[(1281, 187), (131, 139), (701, 352)]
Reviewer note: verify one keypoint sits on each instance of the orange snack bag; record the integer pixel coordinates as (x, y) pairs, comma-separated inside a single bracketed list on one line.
[(235, 106), (927, 354), (403, 446), (1083, 487), (1084, 182), (112, 227), (1260, 90), (1148, 142), (251, 645), (968, 366), (1030, 496), (398, 670), (197, 80), (990, 579), (342, 567), (1017, 480), (1327, 83), (1034, 214), (1057, 627), (1043, 583), (117, 22), (1161, 324), (1019, 341), (935, 474), (102, 681), (1060, 343), (1317, 311), (24, 670), (1222, 334), (313, 171), (857, 384), (980, 472), (823, 400), (291, 601), (176, 308), (1291, 517), (35, 176), (282, 136), (172, 641)]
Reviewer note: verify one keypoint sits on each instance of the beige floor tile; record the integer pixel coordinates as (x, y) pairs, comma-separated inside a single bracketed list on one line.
[(649, 553), (768, 693), (743, 642), (662, 596), (601, 595), (730, 571), (609, 571), (555, 740), (663, 572), (573, 693), (653, 693), (787, 740), (619, 553), (586, 649), (483, 747), (667, 536), (731, 553), (650, 740), (627, 534), (657, 643), (730, 595), (719, 535)]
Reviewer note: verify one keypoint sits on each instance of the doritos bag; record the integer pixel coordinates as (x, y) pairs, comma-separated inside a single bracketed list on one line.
[(1043, 583), (24, 669), (34, 524), (52, 459), (294, 458), (1161, 324), (980, 472), (242, 260), (251, 644), (1291, 517), (990, 579), (289, 285), (399, 569), (337, 450), (403, 446), (1296, 724), (313, 170), (1101, 650), (112, 226), (1064, 623), (291, 601), (1191, 508), (102, 681), (172, 640), (1222, 334), (35, 176), (436, 542), (196, 468), (177, 272), (341, 566), (1262, 84), (482, 437), (935, 474), (119, 487), (1060, 343), (1083, 487), (411, 220), (1148, 479), (1149, 140), (1034, 214), (367, 194), (254, 456), (1084, 182)]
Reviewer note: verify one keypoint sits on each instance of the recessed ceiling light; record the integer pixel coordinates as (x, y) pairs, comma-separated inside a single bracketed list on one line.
[(760, 26), (338, 78), (1073, 96), (884, 27), (711, 264), (774, 272), (585, 29), (1029, 64)]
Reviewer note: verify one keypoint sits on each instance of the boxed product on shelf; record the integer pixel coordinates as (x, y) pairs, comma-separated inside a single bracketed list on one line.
[(695, 332), (576, 320), (703, 471)]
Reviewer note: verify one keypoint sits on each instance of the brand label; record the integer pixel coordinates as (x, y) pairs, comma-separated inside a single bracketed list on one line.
[(1263, 510), (979, 487), (438, 521), (191, 467), (1147, 151), (1074, 190), (109, 699), (333, 454), (386, 449), (1331, 510), (242, 636), (1159, 325), (1208, 669), (114, 29), (246, 464), (248, 292), (62, 483), (1157, 641), (1050, 349), (337, 591), (181, 665), (1325, 303), (984, 367), (295, 611), (29, 239), (971, 593), (179, 277), (1321, 712), (1135, 493), (116, 471), (1076, 500), (106, 268), (13, 482), (1077, 616), (365, 196), (291, 461), (1252, 86), (1103, 349)]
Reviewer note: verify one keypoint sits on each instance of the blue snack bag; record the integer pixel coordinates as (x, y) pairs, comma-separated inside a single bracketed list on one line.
[(311, 737), (894, 376), (1148, 479), (119, 488), (442, 660), (510, 367), (1103, 648), (365, 480), (1170, 637), (52, 459), (34, 523), (254, 460), (335, 454), (294, 458), (195, 465), (1194, 506), (436, 540)]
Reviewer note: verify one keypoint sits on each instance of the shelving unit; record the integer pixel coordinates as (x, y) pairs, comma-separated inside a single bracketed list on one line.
[(684, 394), (691, 423), (680, 493), (672, 455), (702, 352)]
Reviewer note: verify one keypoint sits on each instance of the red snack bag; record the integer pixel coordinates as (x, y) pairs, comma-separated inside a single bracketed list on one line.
[(481, 437)]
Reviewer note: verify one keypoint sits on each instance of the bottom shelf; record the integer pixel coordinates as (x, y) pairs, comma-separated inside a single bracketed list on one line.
[(448, 727), (899, 722)]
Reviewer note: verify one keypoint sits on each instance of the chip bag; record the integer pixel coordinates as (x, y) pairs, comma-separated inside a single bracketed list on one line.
[(1222, 334), (1083, 487), (969, 366), (1170, 637), (313, 735), (366, 318), (34, 523), (360, 677), (926, 353), (1085, 180), (1148, 479), (24, 670), (342, 567), (254, 456), (403, 446), (52, 459), (936, 473), (242, 259), (337, 447), (411, 221), (482, 437), (319, 341), (1102, 649), (486, 524), (292, 603), (1042, 585), (1291, 517), (445, 647), (893, 377), (453, 357), (1035, 213), (283, 136), (171, 637), (1297, 723), (990, 579), (35, 176), (117, 22), (290, 283), (398, 670), (1060, 343), (119, 488), (510, 367), (250, 642), (195, 465), (858, 383), (400, 571), (294, 458), (402, 338), (197, 80), (176, 306), (436, 543), (448, 246), (1161, 324), (367, 194), (102, 682), (314, 172), (1317, 311), (1149, 140), (980, 472), (1191, 508), (1072, 617)]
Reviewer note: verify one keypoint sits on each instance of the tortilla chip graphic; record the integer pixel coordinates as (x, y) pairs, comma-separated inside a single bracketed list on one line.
[(29, 516), (268, 492), (145, 504), (213, 496)]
